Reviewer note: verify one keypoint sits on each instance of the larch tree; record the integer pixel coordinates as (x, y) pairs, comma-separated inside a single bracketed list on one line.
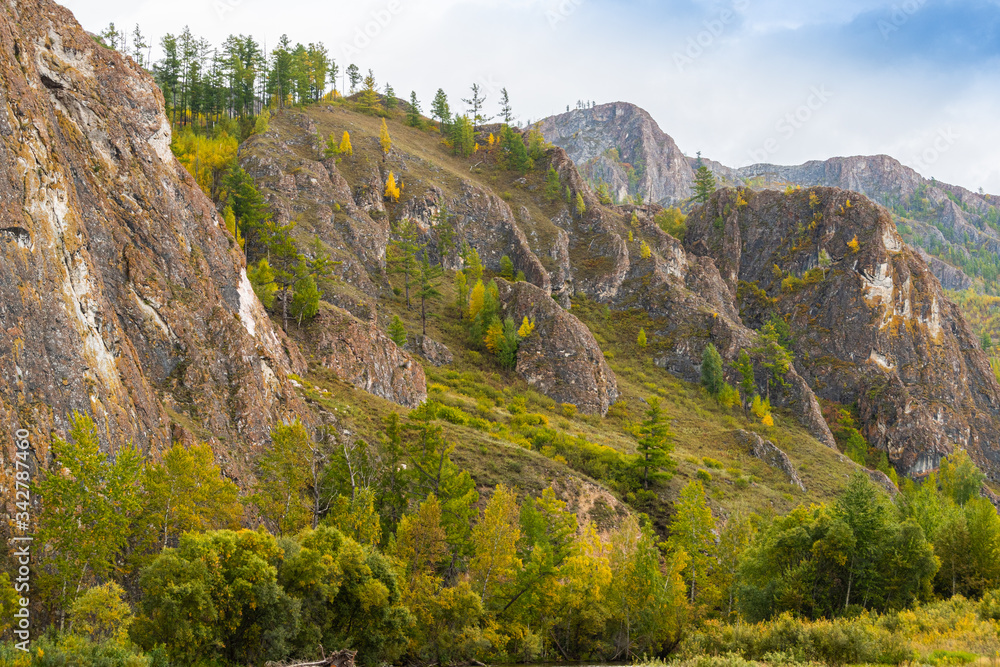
[(401, 255), (475, 102), (692, 532), (345, 145), (384, 140), (354, 76), (655, 443), (494, 544), (428, 290)]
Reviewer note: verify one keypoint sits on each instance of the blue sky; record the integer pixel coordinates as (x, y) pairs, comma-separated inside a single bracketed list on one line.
[(740, 80)]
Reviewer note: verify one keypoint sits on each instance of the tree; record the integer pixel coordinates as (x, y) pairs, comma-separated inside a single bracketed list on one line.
[(692, 532), (305, 299), (463, 137), (184, 493), (735, 538), (332, 148), (494, 544), (138, 45), (474, 265), (89, 501), (654, 445), (461, 293), (390, 101), (553, 188), (645, 252), (475, 103), (101, 614), (293, 271), (641, 341), (446, 234), (354, 76), (401, 255), (413, 112), (428, 291), (513, 154), (704, 184), (397, 331), (345, 145), (392, 191), (368, 98), (384, 140), (506, 268), (250, 210), (748, 384), (825, 261), (262, 280), (506, 113), (440, 109), (283, 478), (711, 370), (581, 207)]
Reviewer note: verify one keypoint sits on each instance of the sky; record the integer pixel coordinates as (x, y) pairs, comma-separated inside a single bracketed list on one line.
[(742, 81)]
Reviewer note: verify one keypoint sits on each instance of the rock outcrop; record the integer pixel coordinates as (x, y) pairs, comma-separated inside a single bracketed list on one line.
[(434, 352), (359, 354), (769, 453), (122, 296), (561, 358), (874, 327)]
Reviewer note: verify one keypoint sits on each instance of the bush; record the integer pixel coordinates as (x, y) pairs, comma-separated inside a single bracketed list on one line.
[(567, 410), (712, 463), (704, 475)]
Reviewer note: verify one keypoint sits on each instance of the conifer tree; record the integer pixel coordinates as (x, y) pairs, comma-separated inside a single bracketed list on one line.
[(711, 370), (513, 154), (475, 103), (397, 331), (654, 445), (463, 137), (748, 385), (428, 291), (506, 113), (461, 293), (413, 111), (401, 255), (440, 109), (581, 206), (392, 192), (692, 532), (704, 184), (345, 145), (331, 149), (553, 188), (506, 268), (641, 340), (384, 140), (354, 76), (390, 101), (368, 100)]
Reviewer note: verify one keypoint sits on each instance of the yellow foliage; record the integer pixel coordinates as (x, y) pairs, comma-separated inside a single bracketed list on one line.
[(853, 244), (768, 420), (345, 145), (384, 138), (392, 191), (741, 202), (475, 149), (630, 237), (476, 298), (494, 334), (491, 140), (526, 328), (644, 251), (205, 158), (813, 200)]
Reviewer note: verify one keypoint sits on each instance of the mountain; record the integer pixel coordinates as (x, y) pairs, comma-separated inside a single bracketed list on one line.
[(959, 230), (122, 294)]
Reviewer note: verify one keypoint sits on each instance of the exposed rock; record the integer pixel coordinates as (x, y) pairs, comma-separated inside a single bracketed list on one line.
[(561, 358), (950, 277), (883, 481), (431, 350), (360, 354), (123, 295), (609, 141), (768, 452), (875, 328)]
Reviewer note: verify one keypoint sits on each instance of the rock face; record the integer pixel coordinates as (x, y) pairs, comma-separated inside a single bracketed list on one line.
[(768, 452), (873, 328), (436, 353), (360, 354), (621, 145), (561, 358), (122, 294)]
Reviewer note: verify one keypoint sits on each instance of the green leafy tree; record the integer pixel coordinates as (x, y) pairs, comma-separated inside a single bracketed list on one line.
[(692, 532), (305, 299), (641, 341), (506, 268), (89, 501), (581, 206), (283, 477), (748, 383), (462, 136), (102, 613), (553, 188), (513, 154), (250, 210), (495, 562), (262, 280), (654, 446), (711, 370)]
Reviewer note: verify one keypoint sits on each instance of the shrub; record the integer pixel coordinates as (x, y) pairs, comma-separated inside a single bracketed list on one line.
[(712, 463), (567, 410), (704, 475)]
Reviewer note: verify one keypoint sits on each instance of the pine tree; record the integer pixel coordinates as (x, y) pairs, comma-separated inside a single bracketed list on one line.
[(440, 109), (704, 184), (368, 99), (390, 100), (506, 113), (475, 103), (331, 149), (513, 154), (711, 370), (506, 268), (305, 299), (397, 331), (553, 188), (474, 265), (463, 137), (385, 140), (654, 445), (641, 340), (413, 111), (354, 76), (748, 385)]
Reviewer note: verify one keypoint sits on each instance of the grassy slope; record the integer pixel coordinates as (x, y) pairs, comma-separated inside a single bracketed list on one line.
[(476, 385)]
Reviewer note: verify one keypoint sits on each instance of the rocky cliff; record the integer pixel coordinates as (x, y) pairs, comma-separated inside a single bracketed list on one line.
[(122, 293), (871, 324)]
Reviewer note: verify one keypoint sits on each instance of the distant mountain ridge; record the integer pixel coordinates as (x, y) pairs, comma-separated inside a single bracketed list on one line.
[(950, 224)]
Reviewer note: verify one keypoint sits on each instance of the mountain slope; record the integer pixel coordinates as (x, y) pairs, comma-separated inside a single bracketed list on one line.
[(123, 295)]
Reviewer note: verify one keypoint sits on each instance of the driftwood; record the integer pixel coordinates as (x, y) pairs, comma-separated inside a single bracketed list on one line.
[(343, 658)]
